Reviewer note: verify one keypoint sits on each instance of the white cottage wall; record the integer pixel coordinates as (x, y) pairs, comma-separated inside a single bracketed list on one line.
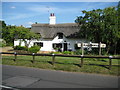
[(47, 46), (68, 40), (16, 43), (48, 43)]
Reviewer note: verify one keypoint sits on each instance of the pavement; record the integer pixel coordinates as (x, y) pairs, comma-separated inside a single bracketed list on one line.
[(25, 77)]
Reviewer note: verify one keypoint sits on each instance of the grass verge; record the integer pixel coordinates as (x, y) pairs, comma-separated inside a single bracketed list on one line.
[(99, 66)]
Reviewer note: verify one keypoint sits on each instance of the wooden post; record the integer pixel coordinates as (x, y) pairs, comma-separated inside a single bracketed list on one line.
[(33, 54), (110, 62), (15, 56), (100, 48), (81, 64), (82, 48), (53, 59)]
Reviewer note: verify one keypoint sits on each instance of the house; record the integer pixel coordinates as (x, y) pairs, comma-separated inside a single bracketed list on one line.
[(62, 37)]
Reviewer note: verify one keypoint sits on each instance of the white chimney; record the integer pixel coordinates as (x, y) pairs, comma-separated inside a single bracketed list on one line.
[(52, 19)]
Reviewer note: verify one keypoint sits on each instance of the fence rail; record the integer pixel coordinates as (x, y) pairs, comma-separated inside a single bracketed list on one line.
[(61, 55)]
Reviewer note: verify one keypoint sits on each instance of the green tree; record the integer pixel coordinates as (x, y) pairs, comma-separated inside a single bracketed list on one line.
[(24, 34), (91, 25), (118, 18), (10, 33), (7, 34), (2, 25), (101, 26), (111, 32)]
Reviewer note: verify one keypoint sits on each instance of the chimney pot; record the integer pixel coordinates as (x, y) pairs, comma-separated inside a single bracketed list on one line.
[(50, 14)]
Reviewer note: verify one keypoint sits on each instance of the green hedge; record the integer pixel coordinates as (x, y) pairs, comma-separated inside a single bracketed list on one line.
[(34, 49), (20, 48)]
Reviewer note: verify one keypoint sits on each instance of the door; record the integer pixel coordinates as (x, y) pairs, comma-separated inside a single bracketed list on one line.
[(65, 47)]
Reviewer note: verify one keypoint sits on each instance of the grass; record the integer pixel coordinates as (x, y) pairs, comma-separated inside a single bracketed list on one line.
[(99, 66)]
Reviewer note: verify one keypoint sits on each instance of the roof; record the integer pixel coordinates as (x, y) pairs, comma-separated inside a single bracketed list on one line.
[(70, 30)]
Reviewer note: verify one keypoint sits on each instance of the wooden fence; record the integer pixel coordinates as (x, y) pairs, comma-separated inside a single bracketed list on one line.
[(61, 55)]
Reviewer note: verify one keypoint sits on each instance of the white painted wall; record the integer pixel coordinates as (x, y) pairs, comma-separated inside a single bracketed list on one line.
[(71, 41), (16, 42), (48, 43), (47, 46)]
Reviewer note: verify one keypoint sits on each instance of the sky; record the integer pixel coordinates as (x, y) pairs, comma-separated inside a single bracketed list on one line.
[(27, 13)]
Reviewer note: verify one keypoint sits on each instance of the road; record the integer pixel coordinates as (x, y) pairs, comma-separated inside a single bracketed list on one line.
[(24, 77)]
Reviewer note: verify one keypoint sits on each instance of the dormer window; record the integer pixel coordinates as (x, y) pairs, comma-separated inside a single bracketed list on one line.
[(60, 35)]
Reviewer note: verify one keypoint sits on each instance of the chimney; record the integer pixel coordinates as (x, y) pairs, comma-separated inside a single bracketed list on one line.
[(52, 19)]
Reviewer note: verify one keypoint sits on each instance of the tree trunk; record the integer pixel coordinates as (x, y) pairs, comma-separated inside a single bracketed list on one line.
[(20, 42), (115, 48), (108, 49), (25, 43)]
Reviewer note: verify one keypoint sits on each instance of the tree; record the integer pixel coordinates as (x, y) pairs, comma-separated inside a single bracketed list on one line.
[(7, 34), (118, 18), (10, 33), (24, 34), (101, 26), (91, 25), (2, 25), (112, 33)]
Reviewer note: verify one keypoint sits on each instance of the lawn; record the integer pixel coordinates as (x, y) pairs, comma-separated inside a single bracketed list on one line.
[(99, 66)]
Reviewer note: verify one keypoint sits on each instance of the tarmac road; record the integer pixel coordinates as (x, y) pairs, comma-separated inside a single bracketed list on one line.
[(24, 77)]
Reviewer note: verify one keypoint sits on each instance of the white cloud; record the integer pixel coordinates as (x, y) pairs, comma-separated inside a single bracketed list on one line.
[(1, 19), (30, 23), (12, 24), (13, 7)]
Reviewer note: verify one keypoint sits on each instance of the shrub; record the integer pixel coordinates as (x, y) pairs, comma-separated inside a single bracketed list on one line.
[(56, 53), (78, 52), (67, 52), (34, 49), (20, 48)]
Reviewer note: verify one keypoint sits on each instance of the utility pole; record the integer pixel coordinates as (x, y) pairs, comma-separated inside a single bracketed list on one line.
[(82, 48)]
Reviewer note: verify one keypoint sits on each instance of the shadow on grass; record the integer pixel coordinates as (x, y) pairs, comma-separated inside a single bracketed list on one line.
[(50, 62), (103, 60), (79, 65), (105, 66), (11, 50)]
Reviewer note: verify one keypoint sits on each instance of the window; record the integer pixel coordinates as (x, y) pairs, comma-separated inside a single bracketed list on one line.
[(60, 35), (39, 44), (57, 46)]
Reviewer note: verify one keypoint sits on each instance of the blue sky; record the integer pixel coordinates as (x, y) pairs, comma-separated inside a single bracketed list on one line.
[(26, 13)]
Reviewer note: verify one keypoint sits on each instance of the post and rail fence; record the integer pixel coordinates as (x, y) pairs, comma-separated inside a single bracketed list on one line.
[(61, 55)]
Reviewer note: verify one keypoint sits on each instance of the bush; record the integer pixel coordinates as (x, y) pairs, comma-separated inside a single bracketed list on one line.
[(34, 49), (67, 52), (20, 48), (78, 52), (56, 53)]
